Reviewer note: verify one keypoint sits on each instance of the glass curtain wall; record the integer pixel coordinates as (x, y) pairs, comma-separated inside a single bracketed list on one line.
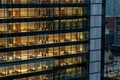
[(63, 27)]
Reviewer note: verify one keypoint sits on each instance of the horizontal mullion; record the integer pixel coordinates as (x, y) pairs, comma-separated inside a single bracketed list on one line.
[(18, 34), (41, 19), (43, 5), (42, 46), (42, 59)]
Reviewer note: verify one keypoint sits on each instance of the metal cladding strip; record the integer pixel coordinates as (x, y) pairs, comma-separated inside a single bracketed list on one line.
[(42, 5), (41, 59), (4, 35), (42, 46), (32, 19)]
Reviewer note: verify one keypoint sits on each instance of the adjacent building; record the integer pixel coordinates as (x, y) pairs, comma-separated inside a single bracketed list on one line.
[(51, 39), (117, 38), (112, 7), (110, 23), (110, 29)]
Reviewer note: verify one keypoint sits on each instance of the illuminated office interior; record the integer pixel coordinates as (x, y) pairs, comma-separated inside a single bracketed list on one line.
[(44, 39)]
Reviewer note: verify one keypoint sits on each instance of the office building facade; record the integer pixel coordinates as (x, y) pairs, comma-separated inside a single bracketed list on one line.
[(51, 39), (117, 30), (112, 8)]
